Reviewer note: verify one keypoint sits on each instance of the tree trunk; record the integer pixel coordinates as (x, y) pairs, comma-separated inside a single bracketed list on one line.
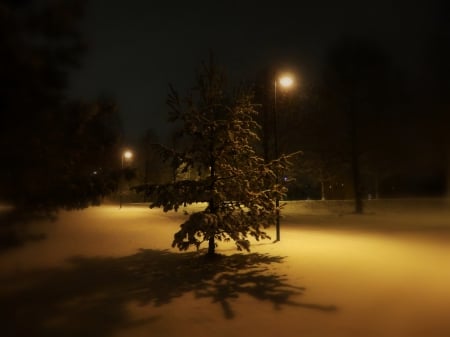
[(211, 246), (356, 182), (322, 190), (356, 172), (377, 187), (447, 182), (212, 206)]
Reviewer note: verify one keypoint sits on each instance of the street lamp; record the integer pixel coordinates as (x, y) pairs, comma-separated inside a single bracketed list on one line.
[(285, 81), (126, 156)]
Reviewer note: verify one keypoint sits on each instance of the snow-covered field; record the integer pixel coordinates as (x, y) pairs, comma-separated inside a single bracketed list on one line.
[(111, 272)]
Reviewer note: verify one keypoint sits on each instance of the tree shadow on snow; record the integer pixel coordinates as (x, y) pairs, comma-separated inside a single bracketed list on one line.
[(90, 297), (15, 231)]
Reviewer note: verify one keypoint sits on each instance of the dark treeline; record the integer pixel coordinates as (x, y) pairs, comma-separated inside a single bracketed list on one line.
[(55, 152), (368, 127)]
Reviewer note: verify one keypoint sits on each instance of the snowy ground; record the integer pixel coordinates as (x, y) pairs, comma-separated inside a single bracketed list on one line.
[(111, 272)]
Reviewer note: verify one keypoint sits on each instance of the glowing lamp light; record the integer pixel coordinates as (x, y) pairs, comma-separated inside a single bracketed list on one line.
[(286, 81), (127, 154)]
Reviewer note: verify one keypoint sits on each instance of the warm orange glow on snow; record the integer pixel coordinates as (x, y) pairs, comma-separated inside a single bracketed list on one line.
[(338, 274)]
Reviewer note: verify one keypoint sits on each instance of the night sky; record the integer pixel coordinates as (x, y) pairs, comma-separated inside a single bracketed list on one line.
[(136, 48)]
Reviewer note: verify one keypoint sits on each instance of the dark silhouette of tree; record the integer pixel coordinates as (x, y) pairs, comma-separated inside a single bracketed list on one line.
[(434, 91), (151, 168), (264, 92), (56, 153), (357, 75), (316, 129), (239, 187)]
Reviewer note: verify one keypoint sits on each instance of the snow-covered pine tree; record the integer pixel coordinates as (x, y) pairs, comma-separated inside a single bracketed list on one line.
[(219, 133)]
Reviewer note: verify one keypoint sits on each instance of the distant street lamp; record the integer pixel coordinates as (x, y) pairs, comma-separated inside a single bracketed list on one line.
[(285, 81), (126, 156)]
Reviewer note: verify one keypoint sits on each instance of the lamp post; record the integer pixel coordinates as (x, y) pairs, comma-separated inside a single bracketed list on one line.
[(285, 81), (126, 155)]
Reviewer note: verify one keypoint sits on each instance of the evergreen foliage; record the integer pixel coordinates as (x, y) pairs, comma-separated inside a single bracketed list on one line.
[(218, 134), (56, 152)]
